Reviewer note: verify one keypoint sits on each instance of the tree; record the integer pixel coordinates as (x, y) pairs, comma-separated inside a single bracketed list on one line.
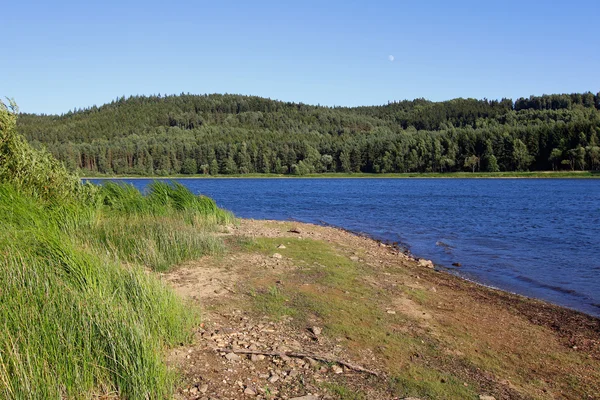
[(577, 158), (521, 157), (492, 164), (555, 158), (213, 169), (189, 166), (471, 162)]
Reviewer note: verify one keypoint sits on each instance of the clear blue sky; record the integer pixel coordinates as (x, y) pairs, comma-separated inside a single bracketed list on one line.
[(60, 55)]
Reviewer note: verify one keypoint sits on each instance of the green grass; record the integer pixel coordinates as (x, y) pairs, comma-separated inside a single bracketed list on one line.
[(327, 285), (343, 392), (80, 317)]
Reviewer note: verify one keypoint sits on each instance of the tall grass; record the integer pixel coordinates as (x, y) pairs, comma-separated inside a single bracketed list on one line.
[(75, 321)]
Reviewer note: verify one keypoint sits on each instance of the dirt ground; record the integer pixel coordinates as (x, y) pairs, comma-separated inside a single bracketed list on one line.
[(298, 311)]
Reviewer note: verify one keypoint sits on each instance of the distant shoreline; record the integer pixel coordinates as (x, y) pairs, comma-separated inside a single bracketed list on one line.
[(452, 175)]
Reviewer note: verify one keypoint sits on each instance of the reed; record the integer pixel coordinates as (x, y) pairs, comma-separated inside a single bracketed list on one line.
[(79, 316)]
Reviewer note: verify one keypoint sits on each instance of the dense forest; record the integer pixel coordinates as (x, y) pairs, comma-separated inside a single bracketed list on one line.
[(234, 134)]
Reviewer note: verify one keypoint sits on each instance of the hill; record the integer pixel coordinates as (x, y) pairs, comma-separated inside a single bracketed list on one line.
[(234, 134)]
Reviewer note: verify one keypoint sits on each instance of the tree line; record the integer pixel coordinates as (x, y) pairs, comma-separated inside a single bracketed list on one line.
[(234, 134)]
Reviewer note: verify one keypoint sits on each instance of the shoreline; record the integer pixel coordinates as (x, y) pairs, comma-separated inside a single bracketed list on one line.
[(401, 250), (452, 175), (427, 333)]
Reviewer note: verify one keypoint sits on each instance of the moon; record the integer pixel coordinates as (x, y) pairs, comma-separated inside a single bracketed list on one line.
[(391, 58)]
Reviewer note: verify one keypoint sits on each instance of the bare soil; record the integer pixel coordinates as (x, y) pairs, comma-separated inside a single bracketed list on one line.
[(426, 333)]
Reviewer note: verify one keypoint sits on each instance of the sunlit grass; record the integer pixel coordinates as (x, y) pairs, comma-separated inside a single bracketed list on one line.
[(79, 315)]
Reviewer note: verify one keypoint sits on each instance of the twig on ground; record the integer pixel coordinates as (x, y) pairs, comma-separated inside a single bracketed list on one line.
[(301, 355)]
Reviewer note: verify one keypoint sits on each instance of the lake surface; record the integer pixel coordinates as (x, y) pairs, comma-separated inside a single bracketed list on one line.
[(536, 237)]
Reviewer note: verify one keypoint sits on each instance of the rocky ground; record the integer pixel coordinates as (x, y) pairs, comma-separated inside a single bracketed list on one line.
[(297, 311)]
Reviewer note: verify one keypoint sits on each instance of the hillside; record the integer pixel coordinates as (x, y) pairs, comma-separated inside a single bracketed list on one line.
[(233, 134)]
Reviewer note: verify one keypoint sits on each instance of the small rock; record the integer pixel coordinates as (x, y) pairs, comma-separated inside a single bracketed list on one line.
[(457, 264), (425, 263), (391, 312), (316, 330), (281, 246), (485, 397), (257, 357), (285, 358), (203, 389), (295, 230), (277, 255), (337, 369), (312, 362), (194, 390), (233, 357), (307, 397), (249, 391), (273, 379), (354, 258)]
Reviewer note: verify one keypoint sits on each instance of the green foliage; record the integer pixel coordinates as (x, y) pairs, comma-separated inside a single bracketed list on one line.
[(75, 322), (231, 134), (33, 171), (80, 317)]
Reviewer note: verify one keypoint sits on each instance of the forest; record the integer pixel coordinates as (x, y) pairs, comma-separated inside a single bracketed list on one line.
[(234, 134)]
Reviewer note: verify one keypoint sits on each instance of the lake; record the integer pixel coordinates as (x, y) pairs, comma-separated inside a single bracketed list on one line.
[(535, 237)]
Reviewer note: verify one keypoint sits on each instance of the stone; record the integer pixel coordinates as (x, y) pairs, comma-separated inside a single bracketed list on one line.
[(203, 389), (425, 263), (354, 258), (194, 390), (273, 378), (316, 330), (249, 391), (312, 362), (391, 312), (457, 264), (307, 397), (281, 246), (337, 369), (277, 255), (485, 397), (257, 357), (233, 357)]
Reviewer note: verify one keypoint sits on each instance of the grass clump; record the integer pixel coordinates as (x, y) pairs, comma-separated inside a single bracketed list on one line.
[(79, 316)]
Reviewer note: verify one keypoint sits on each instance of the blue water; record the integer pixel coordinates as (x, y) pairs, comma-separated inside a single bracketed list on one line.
[(536, 237)]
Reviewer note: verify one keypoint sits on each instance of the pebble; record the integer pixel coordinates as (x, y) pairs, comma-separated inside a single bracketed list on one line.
[(233, 357), (277, 255), (485, 397), (281, 246)]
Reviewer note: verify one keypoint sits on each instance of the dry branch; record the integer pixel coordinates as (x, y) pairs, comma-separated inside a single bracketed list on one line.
[(301, 355)]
